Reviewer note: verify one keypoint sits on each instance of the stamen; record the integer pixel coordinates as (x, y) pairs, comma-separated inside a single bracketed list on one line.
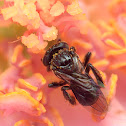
[(84, 45), (113, 44), (57, 9), (113, 82), (39, 76), (39, 95), (24, 63), (22, 123), (26, 84), (74, 8), (47, 121), (18, 49), (58, 117), (101, 63), (115, 52), (118, 65)]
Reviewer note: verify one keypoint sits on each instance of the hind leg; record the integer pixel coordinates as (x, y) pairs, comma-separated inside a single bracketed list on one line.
[(96, 73), (67, 96), (86, 59), (56, 84)]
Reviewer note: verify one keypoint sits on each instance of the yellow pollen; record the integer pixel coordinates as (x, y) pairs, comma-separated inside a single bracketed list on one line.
[(28, 85), (18, 49), (24, 63), (39, 76), (57, 9), (30, 10), (113, 81), (30, 41), (55, 55), (9, 12), (51, 35), (74, 8), (44, 4)]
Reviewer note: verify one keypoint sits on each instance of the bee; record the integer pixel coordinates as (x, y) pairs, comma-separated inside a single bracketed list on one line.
[(66, 65)]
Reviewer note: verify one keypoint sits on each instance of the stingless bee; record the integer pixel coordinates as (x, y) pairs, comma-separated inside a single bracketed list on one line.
[(66, 65)]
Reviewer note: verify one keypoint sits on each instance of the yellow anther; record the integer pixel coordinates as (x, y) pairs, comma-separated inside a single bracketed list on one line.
[(26, 84), (44, 100), (31, 101), (41, 109), (113, 81), (84, 45), (74, 8), (22, 123), (24, 63), (57, 9), (118, 31), (113, 44), (101, 63), (9, 12), (39, 76), (118, 65), (58, 117), (122, 36), (115, 52), (18, 49), (39, 95), (106, 26), (51, 34), (47, 121), (106, 34)]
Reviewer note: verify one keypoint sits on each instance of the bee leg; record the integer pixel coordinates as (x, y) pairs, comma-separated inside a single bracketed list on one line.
[(86, 59), (56, 84), (48, 68), (67, 96), (72, 50), (96, 73)]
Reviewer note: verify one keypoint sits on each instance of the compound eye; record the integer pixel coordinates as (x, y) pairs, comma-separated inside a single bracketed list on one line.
[(66, 62)]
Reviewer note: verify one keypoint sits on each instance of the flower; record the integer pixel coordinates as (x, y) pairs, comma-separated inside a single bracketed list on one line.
[(95, 26)]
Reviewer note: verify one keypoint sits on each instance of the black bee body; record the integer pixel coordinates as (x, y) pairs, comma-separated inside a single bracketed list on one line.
[(65, 63)]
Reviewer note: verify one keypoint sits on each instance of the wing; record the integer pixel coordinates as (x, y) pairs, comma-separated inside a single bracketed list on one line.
[(86, 91)]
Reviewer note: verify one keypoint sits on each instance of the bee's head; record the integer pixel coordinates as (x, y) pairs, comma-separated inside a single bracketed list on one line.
[(62, 58), (63, 61), (51, 51)]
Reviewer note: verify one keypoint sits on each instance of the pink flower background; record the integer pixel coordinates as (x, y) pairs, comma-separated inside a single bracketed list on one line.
[(28, 28)]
